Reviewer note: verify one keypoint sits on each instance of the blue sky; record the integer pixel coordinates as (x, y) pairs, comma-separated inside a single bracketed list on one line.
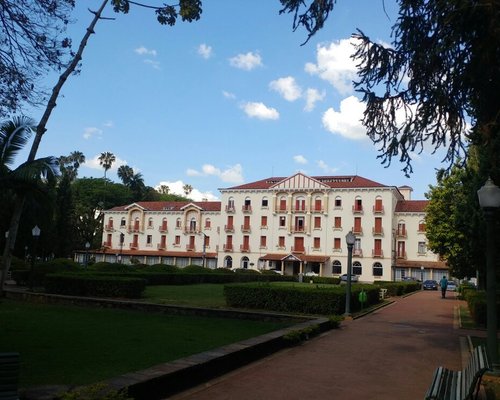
[(230, 99)]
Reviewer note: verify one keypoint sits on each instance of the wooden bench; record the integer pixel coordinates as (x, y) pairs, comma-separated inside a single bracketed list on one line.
[(458, 385), (9, 374)]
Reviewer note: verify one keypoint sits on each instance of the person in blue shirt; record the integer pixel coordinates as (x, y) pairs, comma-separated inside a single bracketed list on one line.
[(444, 284)]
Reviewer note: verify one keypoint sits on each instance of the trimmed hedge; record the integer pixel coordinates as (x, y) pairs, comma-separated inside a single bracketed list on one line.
[(304, 299), (85, 284), (41, 269)]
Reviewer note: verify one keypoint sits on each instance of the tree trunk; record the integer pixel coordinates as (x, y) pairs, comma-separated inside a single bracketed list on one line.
[(40, 130)]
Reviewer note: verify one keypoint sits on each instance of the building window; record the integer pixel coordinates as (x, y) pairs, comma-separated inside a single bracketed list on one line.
[(178, 223), (299, 224), (421, 226), (401, 231), (150, 223), (265, 202), (317, 222), (263, 221), (336, 267), (358, 204), (356, 268), (230, 204), (244, 262), (282, 222), (337, 244), (422, 248), (149, 240), (248, 205), (282, 203), (228, 262), (378, 270), (208, 223), (318, 206), (263, 242), (177, 241), (281, 242), (300, 204), (192, 225), (337, 223), (338, 202), (357, 230), (317, 243), (123, 222)]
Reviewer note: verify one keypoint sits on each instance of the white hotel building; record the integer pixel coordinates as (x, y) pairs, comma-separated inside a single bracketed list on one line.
[(295, 224)]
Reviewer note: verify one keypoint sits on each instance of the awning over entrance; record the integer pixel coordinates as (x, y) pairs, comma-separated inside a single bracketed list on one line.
[(294, 257), (418, 264)]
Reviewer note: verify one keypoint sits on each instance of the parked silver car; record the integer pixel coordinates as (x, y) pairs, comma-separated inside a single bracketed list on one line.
[(354, 278)]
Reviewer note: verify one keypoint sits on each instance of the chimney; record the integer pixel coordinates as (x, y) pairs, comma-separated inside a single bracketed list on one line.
[(405, 191)]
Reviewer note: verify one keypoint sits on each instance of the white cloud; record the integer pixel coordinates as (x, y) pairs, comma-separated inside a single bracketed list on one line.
[(144, 51), (93, 163), (153, 63), (246, 61), (333, 64), (109, 124), (346, 122), (260, 111), (91, 132), (196, 195), (232, 174), (326, 168), (205, 51), (313, 96), (228, 95), (287, 87), (300, 159)]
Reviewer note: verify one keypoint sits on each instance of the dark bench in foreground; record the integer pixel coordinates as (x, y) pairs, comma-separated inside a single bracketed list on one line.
[(9, 373), (458, 385)]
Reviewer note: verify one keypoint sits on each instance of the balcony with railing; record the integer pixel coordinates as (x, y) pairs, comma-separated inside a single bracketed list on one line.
[(230, 208), (298, 228), (357, 209), (227, 247), (298, 249), (378, 209), (244, 248), (134, 229), (357, 253), (421, 228), (163, 228), (109, 228), (281, 208), (401, 233), (106, 244), (357, 230), (229, 228), (377, 253), (133, 246), (317, 209), (401, 255), (190, 247), (191, 230), (247, 209), (299, 209), (245, 228), (377, 231), (161, 246)]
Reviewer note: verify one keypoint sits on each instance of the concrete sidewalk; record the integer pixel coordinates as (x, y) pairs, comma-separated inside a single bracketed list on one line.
[(390, 354)]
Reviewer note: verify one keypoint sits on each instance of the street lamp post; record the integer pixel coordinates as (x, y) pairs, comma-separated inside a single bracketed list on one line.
[(122, 239), (36, 234), (204, 254), (87, 247), (489, 200), (422, 277), (350, 239)]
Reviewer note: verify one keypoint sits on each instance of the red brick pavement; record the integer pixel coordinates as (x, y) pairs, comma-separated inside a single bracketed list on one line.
[(389, 354)]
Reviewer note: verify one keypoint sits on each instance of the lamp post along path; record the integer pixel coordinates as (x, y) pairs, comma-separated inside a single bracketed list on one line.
[(35, 232), (350, 240), (489, 200)]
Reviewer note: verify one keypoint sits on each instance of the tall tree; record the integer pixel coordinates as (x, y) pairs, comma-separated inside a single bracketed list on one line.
[(32, 43), (106, 160), (125, 173), (27, 178), (163, 189), (187, 189), (69, 164)]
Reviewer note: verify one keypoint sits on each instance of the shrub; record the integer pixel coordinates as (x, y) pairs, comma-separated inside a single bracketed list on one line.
[(41, 269), (98, 391), (246, 271), (195, 269), (85, 284), (307, 299), (322, 280), (105, 266)]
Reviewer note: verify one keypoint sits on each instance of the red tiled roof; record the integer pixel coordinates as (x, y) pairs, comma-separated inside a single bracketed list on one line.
[(411, 205), (348, 181), (172, 205), (418, 264)]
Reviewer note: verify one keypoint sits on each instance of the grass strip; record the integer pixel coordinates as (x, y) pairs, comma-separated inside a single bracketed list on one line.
[(75, 345)]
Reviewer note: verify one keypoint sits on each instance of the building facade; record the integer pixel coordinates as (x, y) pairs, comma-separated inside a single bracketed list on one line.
[(293, 225)]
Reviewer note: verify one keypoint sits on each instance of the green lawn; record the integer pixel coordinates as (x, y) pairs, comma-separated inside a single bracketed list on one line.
[(202, 295), (72, 345)]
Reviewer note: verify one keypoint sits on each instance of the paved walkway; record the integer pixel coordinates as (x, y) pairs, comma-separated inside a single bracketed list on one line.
[(390, 354)]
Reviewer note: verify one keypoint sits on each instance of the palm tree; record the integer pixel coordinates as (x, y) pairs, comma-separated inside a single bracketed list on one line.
[(163, 189), (187, 189), (26, 178), (106, 160), (125, 173), (69, 164)]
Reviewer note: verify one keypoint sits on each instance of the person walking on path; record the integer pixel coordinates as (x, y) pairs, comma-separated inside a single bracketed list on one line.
[(444, 284)]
